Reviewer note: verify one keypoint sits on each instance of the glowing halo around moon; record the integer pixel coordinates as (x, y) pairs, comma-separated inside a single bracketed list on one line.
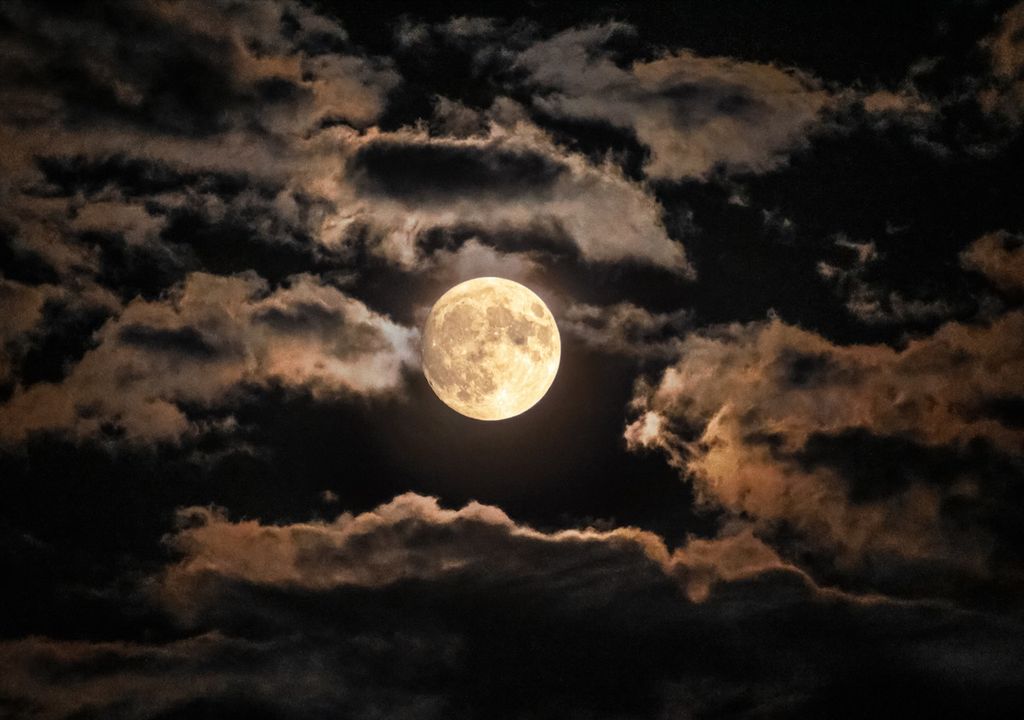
[(491, 348)]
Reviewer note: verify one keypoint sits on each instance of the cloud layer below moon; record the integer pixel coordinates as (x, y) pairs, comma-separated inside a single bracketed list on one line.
[(394, 570)]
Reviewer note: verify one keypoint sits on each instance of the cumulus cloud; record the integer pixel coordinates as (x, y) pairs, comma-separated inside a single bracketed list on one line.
[(411, 554), (248, 125), (745, 405), (906, 101), (22, 309), (626, 329), (257, 82), (414, 538), (513, 180), (1005, 95), (208, 337), (694, 113), (275, 149), (195, 177), (299, 619), (137, 150), (276, 62), (999, 256)]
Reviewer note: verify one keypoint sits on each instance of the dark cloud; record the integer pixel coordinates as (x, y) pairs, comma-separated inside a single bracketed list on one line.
[(149, 72), (131, 177), (598, 139), (64, 335), (999, 256), (413, 609), (344, 338), (249, 237), (627, 329), (1004, 95), (873, 42), (877, 467), (431, 171), (184, 340), (1007, 410)]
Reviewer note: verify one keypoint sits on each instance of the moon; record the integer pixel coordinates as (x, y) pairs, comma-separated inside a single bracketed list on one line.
[(491, 348)]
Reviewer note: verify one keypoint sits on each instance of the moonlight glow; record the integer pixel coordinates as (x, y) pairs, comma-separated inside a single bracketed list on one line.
[(490, 348)]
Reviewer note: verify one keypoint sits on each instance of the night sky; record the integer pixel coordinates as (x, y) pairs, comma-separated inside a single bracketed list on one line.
[(780, 472)]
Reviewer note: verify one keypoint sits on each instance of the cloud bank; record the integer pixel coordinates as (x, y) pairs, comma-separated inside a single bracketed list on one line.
[(209, 337)]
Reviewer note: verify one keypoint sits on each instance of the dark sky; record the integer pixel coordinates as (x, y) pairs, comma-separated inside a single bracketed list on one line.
[(780, 472)]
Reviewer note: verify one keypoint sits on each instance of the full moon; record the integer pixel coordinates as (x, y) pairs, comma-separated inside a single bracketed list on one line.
[(490, 348)]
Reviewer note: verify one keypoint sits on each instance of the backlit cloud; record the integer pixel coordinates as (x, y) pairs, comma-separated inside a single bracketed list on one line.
[(625, 329), (746, 409), (299, 618), (413, 538), (999, 256), (207, 338), (695, 113), (515, 180), (1006, 50)]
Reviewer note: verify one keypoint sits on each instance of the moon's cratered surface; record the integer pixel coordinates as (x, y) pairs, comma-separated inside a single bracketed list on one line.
[(490, 348)]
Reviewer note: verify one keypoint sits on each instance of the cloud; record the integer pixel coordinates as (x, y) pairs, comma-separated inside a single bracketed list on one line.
[(132, 188), (906, 102), (180, 137), (744, 405), (436, 171), (866, 300), (259, 62), (515, 180), (694, 113), (1005, 93), (208, 337), (412, 538), (132, 185), (1005, 46), (27, 311), (195, 177), (272, 160), (214, 674), (22, 309), (228, 108), (626, 329), (474, 259), (415, 610), (999, 256)]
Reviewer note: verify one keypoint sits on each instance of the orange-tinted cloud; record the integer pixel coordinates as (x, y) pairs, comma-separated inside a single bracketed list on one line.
[(999, 256), (414, 538), (208, 337), (1005, 95), (695, 113), (740, 407)]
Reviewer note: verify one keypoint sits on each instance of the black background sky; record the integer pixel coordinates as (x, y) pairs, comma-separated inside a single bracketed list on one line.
[(779, 473)]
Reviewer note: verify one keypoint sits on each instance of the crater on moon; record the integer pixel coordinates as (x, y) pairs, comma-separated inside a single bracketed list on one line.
[(490, 348)]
